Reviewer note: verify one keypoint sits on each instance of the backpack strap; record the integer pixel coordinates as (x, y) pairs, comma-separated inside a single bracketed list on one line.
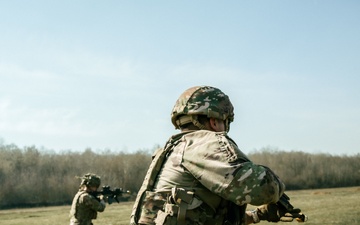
[(75, 203), (151, 175)]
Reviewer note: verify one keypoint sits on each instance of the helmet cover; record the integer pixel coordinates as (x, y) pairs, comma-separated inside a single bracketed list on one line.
[(90, 180), (202, 100)]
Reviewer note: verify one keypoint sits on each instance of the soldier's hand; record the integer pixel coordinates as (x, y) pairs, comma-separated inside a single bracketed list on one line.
[(104, 198), (102, 202), (274, 213)]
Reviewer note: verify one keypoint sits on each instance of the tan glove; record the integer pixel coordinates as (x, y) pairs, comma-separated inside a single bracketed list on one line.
[(102, 202), (105, 198), (274, 213)]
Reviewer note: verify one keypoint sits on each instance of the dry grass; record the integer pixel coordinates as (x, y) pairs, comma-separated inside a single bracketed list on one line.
[(323, 206), (327, 206)]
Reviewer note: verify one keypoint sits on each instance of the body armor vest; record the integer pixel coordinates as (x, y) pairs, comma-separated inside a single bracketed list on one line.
[(171, 207)]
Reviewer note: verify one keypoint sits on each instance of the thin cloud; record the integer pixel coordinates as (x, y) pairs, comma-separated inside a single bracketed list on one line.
[(47, 122)]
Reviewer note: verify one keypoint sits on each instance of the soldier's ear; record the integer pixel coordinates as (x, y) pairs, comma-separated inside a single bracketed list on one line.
[(213, 124)]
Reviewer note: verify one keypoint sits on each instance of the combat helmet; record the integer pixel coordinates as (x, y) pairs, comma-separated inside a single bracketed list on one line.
[(90, 180), (202, 100)]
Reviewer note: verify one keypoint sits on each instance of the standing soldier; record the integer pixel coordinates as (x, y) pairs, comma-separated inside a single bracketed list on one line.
[(84, 207), (201, 177)]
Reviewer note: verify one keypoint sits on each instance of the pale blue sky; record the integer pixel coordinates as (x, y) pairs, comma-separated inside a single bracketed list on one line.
[(106, 74)]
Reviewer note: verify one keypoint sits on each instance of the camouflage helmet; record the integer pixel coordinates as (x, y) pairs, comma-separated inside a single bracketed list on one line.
[(90, 180), (202, 100)]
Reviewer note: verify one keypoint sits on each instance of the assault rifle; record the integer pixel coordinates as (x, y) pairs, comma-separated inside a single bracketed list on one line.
[(284, 202), (109, 194)]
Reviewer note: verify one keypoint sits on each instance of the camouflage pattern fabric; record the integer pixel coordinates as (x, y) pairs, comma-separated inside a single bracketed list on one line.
[(219, 165), (91, 180), (213, 167), (152, 203), (84, 209), (203, 100)]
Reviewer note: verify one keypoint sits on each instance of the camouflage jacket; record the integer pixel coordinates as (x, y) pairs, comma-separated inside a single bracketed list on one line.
[(84, 208), (211, 166)]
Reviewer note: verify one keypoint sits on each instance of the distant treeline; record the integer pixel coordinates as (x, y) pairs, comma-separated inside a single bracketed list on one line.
[(32, 177), (301, 170)]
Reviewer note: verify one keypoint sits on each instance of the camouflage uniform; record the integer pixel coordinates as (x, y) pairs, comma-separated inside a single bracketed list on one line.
[(84, 207), (203, 177)]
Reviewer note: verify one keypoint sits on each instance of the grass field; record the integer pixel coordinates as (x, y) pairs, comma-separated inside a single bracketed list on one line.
[(323, 206)]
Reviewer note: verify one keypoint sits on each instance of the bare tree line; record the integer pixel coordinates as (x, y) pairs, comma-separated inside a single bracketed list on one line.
[(33, 177), (301, 170)]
